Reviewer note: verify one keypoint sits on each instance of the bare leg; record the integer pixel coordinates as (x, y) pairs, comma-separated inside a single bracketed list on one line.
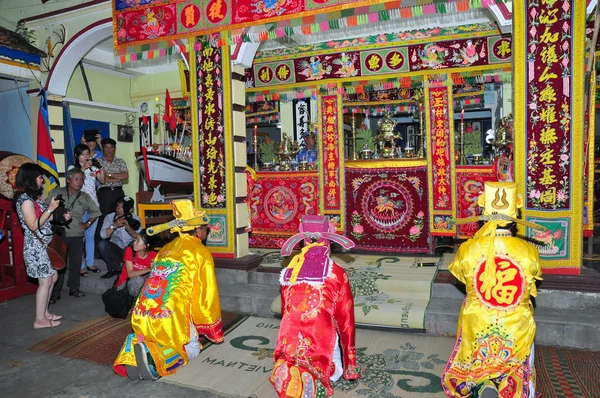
[(41, 303), (54, 317)]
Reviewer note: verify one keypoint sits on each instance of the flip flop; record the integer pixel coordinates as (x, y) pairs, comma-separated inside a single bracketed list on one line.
[(52, 324), (141, 358), (54, 317), (94, 270), (132, 372), (84, 274)]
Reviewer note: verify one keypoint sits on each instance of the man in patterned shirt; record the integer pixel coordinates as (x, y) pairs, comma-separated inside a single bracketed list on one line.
[(115, 170)]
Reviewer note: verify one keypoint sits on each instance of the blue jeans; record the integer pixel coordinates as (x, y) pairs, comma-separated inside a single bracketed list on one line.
[(88, 255)]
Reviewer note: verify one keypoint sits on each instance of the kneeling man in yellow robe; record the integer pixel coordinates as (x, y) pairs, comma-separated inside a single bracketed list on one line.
[(493, 354), (179, 302)]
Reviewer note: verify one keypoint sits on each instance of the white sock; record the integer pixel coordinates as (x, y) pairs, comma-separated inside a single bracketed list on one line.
[(337, 361), (193, 347)]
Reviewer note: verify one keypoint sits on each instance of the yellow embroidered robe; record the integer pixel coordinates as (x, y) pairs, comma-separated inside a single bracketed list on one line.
[(496, 328), (180, 291)]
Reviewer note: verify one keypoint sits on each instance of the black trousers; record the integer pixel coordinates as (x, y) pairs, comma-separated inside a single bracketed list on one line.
[(111, 253), (76, 249), (108, 198)]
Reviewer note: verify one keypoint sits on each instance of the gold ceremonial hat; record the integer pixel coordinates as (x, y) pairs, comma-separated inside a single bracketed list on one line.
[(187, 218), (500, 198)]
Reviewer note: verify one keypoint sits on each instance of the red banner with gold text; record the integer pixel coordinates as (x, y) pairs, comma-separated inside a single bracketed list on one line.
[(441, 159), (210, 127), (331, 152), (137, 22), (549, 102)]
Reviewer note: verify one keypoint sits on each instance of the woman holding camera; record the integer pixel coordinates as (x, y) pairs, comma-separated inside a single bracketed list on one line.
[(35, 216), (92, 172)]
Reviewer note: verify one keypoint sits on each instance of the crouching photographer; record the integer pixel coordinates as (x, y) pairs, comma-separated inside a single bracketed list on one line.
[(119, 229), (75, 202)]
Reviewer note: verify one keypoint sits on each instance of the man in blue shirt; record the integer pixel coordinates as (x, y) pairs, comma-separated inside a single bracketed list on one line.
[(308, 152)]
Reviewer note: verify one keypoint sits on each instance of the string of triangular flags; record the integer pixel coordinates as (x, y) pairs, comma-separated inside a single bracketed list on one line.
[(307, 25), (395, 83)]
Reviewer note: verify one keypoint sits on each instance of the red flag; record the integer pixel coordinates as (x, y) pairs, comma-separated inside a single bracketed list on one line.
[(169, 115), (45, 154)]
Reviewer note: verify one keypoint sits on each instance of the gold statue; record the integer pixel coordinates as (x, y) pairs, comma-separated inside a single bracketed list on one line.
[(386, 139), (287, 151)]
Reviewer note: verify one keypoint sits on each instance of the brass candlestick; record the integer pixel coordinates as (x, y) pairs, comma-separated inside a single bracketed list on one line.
[(421, 152), (353, 156), (463, 158), (255, 145)]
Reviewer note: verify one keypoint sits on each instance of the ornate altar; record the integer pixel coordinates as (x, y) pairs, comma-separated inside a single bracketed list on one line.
[(387, 205), (277, 201)]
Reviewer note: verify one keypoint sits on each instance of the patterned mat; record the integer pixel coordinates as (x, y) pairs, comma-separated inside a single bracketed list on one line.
[(99, 340), (396, 364), (389, 291)]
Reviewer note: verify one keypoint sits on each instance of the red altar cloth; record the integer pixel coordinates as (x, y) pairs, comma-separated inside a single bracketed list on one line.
[(387, 205), (277, 201), (470, 181)]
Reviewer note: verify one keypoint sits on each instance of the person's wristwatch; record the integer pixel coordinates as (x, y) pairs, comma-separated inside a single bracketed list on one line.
[(112, 227), (89, 223)]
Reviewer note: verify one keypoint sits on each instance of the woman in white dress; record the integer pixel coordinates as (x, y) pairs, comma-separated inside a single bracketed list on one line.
[(82, 159)]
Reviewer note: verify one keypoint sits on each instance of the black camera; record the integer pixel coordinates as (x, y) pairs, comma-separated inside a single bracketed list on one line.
[(96, 163), (58, 220), (133, 223), (127, 207)]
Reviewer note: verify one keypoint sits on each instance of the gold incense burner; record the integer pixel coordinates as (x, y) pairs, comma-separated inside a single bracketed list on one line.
[(287, 151), (386, 139)]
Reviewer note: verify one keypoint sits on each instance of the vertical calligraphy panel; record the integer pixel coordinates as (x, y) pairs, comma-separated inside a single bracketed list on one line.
[(330, 139), (588, 169), (549, 106), (549, 40), (441, 160), (211, 131)]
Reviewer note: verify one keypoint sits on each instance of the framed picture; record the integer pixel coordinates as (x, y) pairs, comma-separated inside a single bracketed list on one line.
[(125, 133)]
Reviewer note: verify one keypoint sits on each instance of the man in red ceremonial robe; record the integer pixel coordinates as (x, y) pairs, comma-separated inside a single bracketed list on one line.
[(316, 343)]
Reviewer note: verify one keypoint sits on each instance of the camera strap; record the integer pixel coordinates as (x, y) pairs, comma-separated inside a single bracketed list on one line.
[(39, 230), (75, 200)]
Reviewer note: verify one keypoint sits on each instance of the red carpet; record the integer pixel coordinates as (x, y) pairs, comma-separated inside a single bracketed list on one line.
[(99, 340), (567, 373)]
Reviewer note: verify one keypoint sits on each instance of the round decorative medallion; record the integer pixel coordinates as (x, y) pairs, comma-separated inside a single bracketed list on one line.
[(508, 287), (281, 205), (387, 205)]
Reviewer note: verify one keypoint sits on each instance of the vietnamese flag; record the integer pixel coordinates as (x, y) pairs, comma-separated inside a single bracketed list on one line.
[(169, 116)]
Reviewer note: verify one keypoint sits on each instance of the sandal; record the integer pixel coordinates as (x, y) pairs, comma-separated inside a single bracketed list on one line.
[(94, 269), (84, 274), (52, 324), (54, 317)]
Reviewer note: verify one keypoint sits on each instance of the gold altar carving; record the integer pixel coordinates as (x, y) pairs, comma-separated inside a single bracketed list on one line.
[(386, 139), (287, 151)]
